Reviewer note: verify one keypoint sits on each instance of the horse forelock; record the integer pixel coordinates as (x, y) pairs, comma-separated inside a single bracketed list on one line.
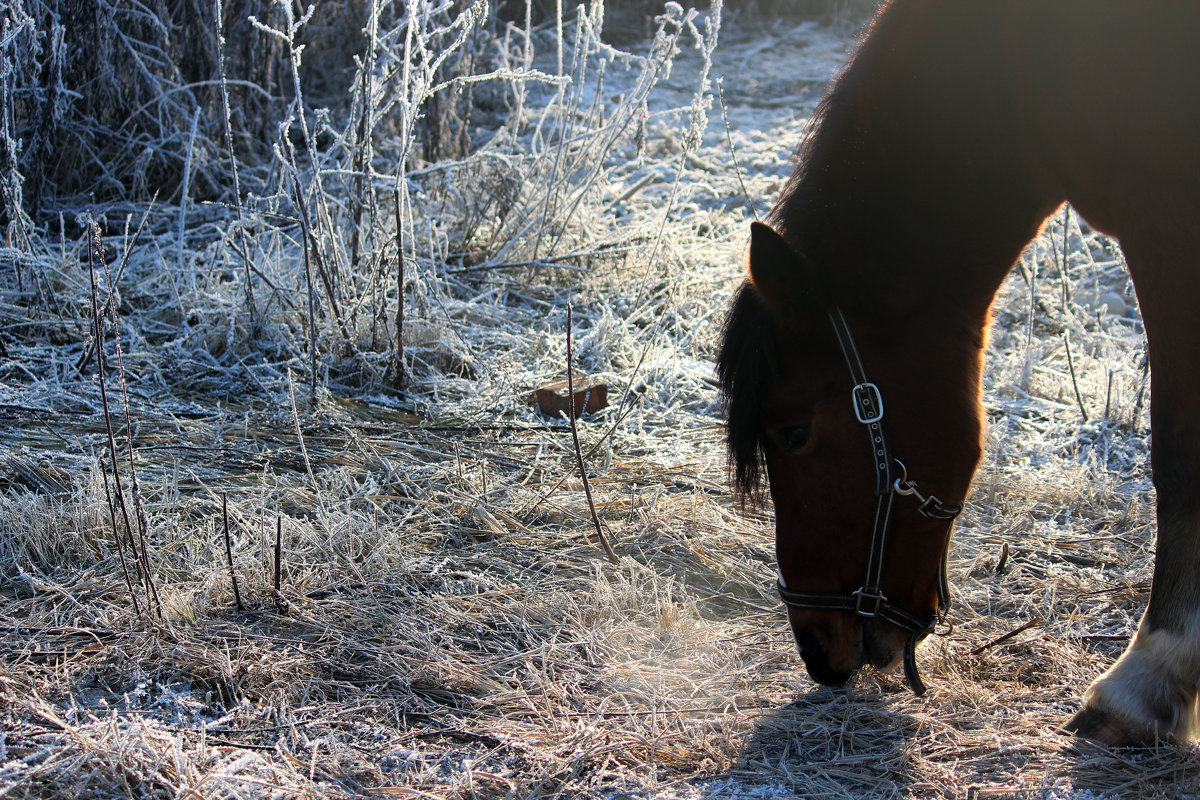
[(746, 367)]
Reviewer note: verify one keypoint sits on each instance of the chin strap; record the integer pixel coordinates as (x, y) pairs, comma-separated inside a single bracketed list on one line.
[(885, 610)]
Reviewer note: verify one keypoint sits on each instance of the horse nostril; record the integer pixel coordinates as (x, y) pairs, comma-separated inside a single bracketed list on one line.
[(876, 649), (808, 646), (816, 661)]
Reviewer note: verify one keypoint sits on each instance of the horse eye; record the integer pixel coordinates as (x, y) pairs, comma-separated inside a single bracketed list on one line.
[(795, 438)]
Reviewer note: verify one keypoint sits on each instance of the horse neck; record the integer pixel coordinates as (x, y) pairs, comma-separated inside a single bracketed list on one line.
[(918, 190)]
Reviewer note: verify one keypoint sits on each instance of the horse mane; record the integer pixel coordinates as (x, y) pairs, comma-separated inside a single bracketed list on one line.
[(745, 364), (823, 141)]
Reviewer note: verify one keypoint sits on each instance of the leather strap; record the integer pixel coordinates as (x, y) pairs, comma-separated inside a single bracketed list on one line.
[(869, 600)]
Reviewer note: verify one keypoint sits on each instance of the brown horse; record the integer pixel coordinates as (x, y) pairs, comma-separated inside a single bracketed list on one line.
[(851, 358)]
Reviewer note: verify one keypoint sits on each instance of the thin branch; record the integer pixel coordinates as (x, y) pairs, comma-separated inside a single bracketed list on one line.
[(737, 169), (1065, 299), (1002, 639), (226, 117), (310, 245), (278, 551), (112, 517), (587, 488), (95, 251), (237, 595), (398, 380)]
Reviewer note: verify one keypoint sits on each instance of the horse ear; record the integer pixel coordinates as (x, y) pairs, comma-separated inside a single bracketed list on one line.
[(783, 278)]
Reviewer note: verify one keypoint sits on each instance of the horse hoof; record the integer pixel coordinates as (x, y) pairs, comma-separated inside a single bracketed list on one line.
[(1101, 726)]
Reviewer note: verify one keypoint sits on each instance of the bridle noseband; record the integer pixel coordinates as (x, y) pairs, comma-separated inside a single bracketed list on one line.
[(869, 600)]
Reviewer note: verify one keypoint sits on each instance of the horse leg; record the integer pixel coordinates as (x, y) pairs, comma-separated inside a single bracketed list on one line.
[(1151, 691)]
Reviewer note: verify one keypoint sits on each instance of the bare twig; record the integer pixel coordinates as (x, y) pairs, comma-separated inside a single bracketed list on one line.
[(587, 488), (108, 310), (1002, 639), (96, 252), (737, 169), (1066, 311), (112, 516), (278, 551), (227, 113), (1002, 562), (135, 489), (237, 595), (398, 365), (311, 245), (1074, 381)]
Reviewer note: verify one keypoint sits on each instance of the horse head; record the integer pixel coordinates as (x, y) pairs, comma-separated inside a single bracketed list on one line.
[(859, 438)]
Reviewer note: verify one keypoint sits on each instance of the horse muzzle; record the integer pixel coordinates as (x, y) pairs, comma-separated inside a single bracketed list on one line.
[(833, 661)]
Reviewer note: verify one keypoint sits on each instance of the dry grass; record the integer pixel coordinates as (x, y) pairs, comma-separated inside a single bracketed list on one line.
[(445, 627)]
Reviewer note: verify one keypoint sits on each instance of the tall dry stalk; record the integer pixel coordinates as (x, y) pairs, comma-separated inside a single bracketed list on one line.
[(138, 546), (583, 476)]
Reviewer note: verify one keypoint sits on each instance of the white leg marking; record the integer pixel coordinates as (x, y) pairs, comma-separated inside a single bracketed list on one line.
[(1154, 683)]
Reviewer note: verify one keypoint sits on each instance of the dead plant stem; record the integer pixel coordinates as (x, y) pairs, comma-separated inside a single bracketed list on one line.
[(311, 245), (737, 168), (278, 551), (112, 517), (1005, 637), (398, 379), (233, 581), (1066, 311), (587, 488), (96, 251), (226, 116)]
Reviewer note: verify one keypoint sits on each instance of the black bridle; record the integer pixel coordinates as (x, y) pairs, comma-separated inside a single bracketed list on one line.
[(869, 600)]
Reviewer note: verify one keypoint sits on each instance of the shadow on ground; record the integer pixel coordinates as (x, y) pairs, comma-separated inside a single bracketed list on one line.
[(830, 743)]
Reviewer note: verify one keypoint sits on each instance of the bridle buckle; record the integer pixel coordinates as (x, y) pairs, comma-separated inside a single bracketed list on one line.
[(862, 594), (868, 403)]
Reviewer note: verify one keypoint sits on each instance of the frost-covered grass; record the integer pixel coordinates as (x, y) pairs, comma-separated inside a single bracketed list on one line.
[(445, 624)]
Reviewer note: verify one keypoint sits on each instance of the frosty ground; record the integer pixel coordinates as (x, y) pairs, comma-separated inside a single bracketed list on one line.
[(446, 623)]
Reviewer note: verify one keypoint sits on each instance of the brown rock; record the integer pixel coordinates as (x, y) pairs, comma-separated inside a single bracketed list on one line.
[(590, 395)]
